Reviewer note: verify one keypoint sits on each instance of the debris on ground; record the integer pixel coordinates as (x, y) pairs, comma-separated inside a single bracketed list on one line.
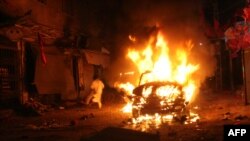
[(227, 116), (240, 117), (35, 107), (47, 124), (75, 122), (87, 116)]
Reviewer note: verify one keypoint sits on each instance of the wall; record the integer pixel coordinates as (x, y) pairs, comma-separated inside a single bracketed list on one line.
[(70, 18)]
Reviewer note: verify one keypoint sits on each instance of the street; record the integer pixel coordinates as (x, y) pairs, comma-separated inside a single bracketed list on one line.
[(86, 122)]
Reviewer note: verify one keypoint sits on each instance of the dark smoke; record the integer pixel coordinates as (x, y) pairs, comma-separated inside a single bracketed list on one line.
[(179, 20)]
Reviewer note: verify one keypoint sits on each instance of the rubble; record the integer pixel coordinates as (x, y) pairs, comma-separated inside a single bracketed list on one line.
[(85, 117), (34, 107), (227, 116), (240, 117), (55, 124), (75, 122), (47, 124), (230, 116)]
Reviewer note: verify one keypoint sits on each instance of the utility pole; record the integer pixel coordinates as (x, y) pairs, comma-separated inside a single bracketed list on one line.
[(217, 43)]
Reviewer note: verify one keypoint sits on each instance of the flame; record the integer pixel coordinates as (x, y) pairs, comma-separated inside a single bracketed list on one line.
[(164, 65), (125, 87), (156, 58), (127, 108), (132, 38)]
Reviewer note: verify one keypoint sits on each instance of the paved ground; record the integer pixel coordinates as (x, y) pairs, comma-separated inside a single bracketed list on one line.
[(84, 123)]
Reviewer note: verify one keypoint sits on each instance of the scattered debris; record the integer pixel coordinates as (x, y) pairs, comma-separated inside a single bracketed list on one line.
[(48, 124), (85, 117), (240, 117), (75, 122), (227, 116), (35, 107)]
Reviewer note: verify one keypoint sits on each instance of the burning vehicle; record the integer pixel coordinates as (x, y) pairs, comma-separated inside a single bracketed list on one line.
[(159, 97), (148, 99), (167, 84)]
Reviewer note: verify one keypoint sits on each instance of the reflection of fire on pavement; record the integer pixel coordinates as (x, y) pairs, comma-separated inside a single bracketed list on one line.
[(166, 85)]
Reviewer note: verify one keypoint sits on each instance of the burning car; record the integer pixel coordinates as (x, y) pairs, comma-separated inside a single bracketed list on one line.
[(159, 97), (164, 92)]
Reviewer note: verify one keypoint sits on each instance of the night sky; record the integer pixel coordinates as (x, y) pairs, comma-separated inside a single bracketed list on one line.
[(114, 20), (227, 9), (180, 20)]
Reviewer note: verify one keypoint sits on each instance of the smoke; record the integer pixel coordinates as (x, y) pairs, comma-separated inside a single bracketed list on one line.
[(204, 54), (179, 20)]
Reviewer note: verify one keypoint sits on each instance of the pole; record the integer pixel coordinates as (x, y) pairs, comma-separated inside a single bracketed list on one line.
[(244, 77)]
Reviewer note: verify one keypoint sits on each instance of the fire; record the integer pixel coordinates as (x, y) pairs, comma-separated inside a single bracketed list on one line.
[(132, 38), (127, 108), (156, 58), (125, 87), (158, 63)]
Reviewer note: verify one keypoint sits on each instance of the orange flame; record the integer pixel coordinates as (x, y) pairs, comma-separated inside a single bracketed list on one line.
[(162, 66), (156, 58)]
